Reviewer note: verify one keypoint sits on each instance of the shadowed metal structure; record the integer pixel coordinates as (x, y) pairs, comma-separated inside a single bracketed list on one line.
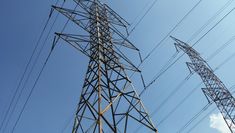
[(108, 101), (215, 90)]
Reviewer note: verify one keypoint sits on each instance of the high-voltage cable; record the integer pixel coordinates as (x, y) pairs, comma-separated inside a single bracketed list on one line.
[(141, 19), (34, 85), (25, 70), (191, 92), (226, 5), (187, 78), (197, 115), (157, 76), (196, 87), (197, 32), (173, 29), (31, 70), (55, 41)]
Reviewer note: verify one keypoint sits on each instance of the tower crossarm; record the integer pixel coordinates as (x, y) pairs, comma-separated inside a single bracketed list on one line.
[(215, 90), (82, 18), (83, 44)]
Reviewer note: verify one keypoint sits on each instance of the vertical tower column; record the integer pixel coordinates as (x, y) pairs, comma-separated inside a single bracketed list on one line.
[(108, 101)]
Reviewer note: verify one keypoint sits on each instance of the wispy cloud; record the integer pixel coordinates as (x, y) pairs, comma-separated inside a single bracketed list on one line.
[(217, 122)]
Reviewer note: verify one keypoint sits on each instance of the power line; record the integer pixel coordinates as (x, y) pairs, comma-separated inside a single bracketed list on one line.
[(189, 94), (201, 120), (173, 29), (141, 19), (214, 26), (225, 61), (187, 78), (54, 43), (194, 118), (179, 104), (178, 87), (196, 33), (26, 69), (185, 98), (139, 14), (158, 44), (210, 20), (227, 43), (31, 91), (159, 74), (197, 115), (32, 68)]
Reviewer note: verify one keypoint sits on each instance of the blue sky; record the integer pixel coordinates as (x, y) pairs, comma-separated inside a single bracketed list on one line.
[(56, 95)]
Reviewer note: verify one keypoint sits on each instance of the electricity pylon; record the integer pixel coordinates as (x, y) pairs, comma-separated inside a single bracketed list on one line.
[(108, 101), (215, 90)]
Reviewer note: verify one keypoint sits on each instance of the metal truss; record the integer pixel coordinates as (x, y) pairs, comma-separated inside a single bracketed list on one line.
[(108, 101), (215, 90)]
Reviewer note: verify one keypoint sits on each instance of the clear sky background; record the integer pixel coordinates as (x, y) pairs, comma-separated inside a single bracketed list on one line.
[(54, 100)]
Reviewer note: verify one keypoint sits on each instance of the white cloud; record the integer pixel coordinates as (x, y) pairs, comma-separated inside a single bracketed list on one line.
[(217, 122)]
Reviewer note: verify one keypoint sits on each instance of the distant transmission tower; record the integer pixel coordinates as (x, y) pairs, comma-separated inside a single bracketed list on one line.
[(215, 90), (108, 101)]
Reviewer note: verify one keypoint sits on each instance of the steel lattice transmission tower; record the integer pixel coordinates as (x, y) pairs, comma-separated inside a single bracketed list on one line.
[(108, 101), (215, 90)]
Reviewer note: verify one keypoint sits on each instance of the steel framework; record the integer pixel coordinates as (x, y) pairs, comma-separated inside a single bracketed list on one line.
[(108, 101), (215, 90)]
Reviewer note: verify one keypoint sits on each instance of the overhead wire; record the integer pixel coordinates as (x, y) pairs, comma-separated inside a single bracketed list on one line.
[(28, 76), (26, 69), (178, 87), (197, 115), (178, 105), (194, 117), (35, 83), (159, 74), (201, 120), (170, 65), (194, 35), (158, 44), (181, 84), (167, 64), (141, 19), (173, 29), (189, 94), (139, 14), (177, 58), (221, 48), (209, 21), (31, 90), (218, 22), (225, 61)]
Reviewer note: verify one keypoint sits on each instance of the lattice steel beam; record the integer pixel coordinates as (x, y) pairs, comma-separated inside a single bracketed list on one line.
[(108, 101)]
